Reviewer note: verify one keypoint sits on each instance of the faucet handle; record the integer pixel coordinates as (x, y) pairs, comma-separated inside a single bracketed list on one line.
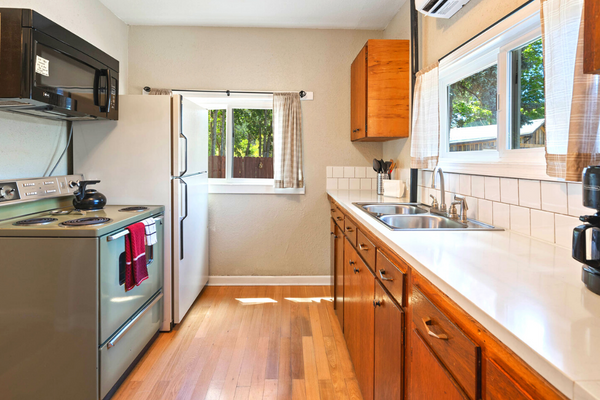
[(434, 203), (462, 200)]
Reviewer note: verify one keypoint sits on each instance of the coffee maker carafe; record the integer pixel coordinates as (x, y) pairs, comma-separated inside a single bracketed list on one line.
[(586, 238)]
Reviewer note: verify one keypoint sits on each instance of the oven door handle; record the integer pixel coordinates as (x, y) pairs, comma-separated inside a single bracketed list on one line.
[(135, 319), (125, 232)]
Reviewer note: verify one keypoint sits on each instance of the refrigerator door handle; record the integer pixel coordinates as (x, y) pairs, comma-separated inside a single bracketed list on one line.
[(185, 168), (181, 219)]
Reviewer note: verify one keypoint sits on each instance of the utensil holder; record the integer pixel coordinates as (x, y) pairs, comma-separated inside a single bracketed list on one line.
[(380, 178)]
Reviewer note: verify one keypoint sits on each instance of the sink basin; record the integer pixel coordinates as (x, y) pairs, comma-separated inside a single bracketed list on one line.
[(391, 209), (420, 222)]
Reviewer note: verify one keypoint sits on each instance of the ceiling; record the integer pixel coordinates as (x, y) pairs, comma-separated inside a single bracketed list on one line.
[(317, 14)]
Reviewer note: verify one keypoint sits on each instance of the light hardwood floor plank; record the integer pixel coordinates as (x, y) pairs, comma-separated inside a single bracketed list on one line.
[(249, 343)]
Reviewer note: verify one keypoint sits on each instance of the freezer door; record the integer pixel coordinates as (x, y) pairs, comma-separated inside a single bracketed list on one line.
[(190, 241), (189, 137)]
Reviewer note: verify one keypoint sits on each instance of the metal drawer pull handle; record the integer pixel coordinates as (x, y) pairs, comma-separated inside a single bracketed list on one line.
[(363, 247), (356, 270), (349, 229), (131, 323), (351, 262), (334, 235), (376, 303), (125, 232), (383, 278), (428, 323), (339, 218)]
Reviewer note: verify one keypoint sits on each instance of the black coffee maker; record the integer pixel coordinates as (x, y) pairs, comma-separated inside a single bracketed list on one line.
[(586, 238)]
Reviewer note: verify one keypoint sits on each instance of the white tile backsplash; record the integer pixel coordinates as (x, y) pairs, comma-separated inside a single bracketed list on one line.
[(564, 225), (545, 210), (501, 215), (344, 183), (492, 188), (574, 200), (485, 211), (332, 183), (520, 220), (554, 197), (478, 186), (329, 172), (365, 184), (465, 185), (529, 193), (509, 191), (338, 172), (360, 172), (542, 225), (348, 172), (371, 173), (354, 184)]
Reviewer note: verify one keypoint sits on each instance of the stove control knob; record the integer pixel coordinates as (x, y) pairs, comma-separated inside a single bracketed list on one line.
[(7, 193), (73, 184)]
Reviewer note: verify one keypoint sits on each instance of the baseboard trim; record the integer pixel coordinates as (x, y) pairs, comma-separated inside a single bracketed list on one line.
[(298, 280)]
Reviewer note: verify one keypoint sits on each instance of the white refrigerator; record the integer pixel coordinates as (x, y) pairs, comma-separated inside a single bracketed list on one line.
[(157, 153)]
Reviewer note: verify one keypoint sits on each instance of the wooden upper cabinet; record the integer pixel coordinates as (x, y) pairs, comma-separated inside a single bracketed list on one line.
[(380, 91), (591, 41), (500, 386)]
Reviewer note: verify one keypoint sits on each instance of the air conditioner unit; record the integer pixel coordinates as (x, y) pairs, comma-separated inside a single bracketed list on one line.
[(439, 8)]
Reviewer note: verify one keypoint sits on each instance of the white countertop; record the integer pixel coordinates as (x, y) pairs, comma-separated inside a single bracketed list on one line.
[(526, 292)]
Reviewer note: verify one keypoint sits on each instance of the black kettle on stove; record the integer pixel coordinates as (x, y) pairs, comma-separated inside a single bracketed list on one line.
[(88, 199), (586, 238)]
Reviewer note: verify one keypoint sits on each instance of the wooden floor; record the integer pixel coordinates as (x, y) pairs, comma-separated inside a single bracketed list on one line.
[(261, 342)]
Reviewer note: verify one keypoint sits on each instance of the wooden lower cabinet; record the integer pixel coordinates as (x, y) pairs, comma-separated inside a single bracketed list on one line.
[(500, 386), (429, 379), (389, 347), (338, 262), (359, 317)]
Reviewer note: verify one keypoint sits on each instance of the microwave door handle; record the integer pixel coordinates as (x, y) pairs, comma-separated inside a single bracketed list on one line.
[(182, 219), (108, 96), (97, 75)]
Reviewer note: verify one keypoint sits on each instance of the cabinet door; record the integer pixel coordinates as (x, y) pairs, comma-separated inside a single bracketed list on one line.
[(359, 315), (358, 95), (389, 347), (428, 377), (500, 386), (339, 275)]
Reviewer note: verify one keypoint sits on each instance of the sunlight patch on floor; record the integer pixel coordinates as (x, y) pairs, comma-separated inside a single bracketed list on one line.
[(308, 299), (249, 301)]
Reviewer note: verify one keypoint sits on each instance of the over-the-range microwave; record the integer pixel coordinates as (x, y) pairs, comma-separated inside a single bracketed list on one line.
[(49, 72)]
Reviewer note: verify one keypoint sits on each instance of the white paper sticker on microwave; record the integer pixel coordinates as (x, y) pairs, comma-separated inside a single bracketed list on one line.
[(42, 66)]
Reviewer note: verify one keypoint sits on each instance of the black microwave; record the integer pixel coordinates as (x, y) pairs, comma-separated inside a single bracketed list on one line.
[(49, 72)]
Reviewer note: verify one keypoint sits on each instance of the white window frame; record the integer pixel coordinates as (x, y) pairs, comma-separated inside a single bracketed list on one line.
[(492, 47), (229, 184)]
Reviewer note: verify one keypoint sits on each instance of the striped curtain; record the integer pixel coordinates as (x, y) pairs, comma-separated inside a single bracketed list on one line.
[(287, 140), (425, 142), (572, 98)]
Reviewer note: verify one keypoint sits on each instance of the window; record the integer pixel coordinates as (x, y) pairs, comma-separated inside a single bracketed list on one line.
[(240, 142), (492, 105)]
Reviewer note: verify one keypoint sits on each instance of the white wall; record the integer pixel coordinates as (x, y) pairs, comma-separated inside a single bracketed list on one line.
[(266, 234), (438, 37), (28, 144)]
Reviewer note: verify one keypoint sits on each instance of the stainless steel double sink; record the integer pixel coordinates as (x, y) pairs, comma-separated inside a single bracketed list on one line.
[(418, 217)]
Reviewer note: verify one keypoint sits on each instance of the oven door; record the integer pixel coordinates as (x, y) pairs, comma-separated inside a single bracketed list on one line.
[(71, 81), (116, 305)]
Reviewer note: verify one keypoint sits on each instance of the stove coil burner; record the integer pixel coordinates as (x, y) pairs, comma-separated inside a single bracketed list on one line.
[(134, 209), (35, 221), (86, 221)]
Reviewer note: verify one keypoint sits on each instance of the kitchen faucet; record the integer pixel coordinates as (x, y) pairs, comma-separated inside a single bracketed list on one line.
[(442, 203)]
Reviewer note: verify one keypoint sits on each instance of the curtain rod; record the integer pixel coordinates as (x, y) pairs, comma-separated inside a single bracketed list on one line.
[(488, 28), (228, 92)]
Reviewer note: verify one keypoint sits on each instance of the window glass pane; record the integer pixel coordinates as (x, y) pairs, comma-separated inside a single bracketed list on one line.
[(472, 105), (252, 144), (528, 108), (217, 143)]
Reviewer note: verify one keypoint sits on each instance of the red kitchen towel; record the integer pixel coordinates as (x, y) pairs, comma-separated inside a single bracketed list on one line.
[(136, 270)]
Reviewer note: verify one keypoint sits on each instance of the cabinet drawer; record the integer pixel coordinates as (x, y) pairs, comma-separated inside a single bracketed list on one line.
[(460, 355), (366, 249), (350, 231), (391, 277), (337, 216)]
